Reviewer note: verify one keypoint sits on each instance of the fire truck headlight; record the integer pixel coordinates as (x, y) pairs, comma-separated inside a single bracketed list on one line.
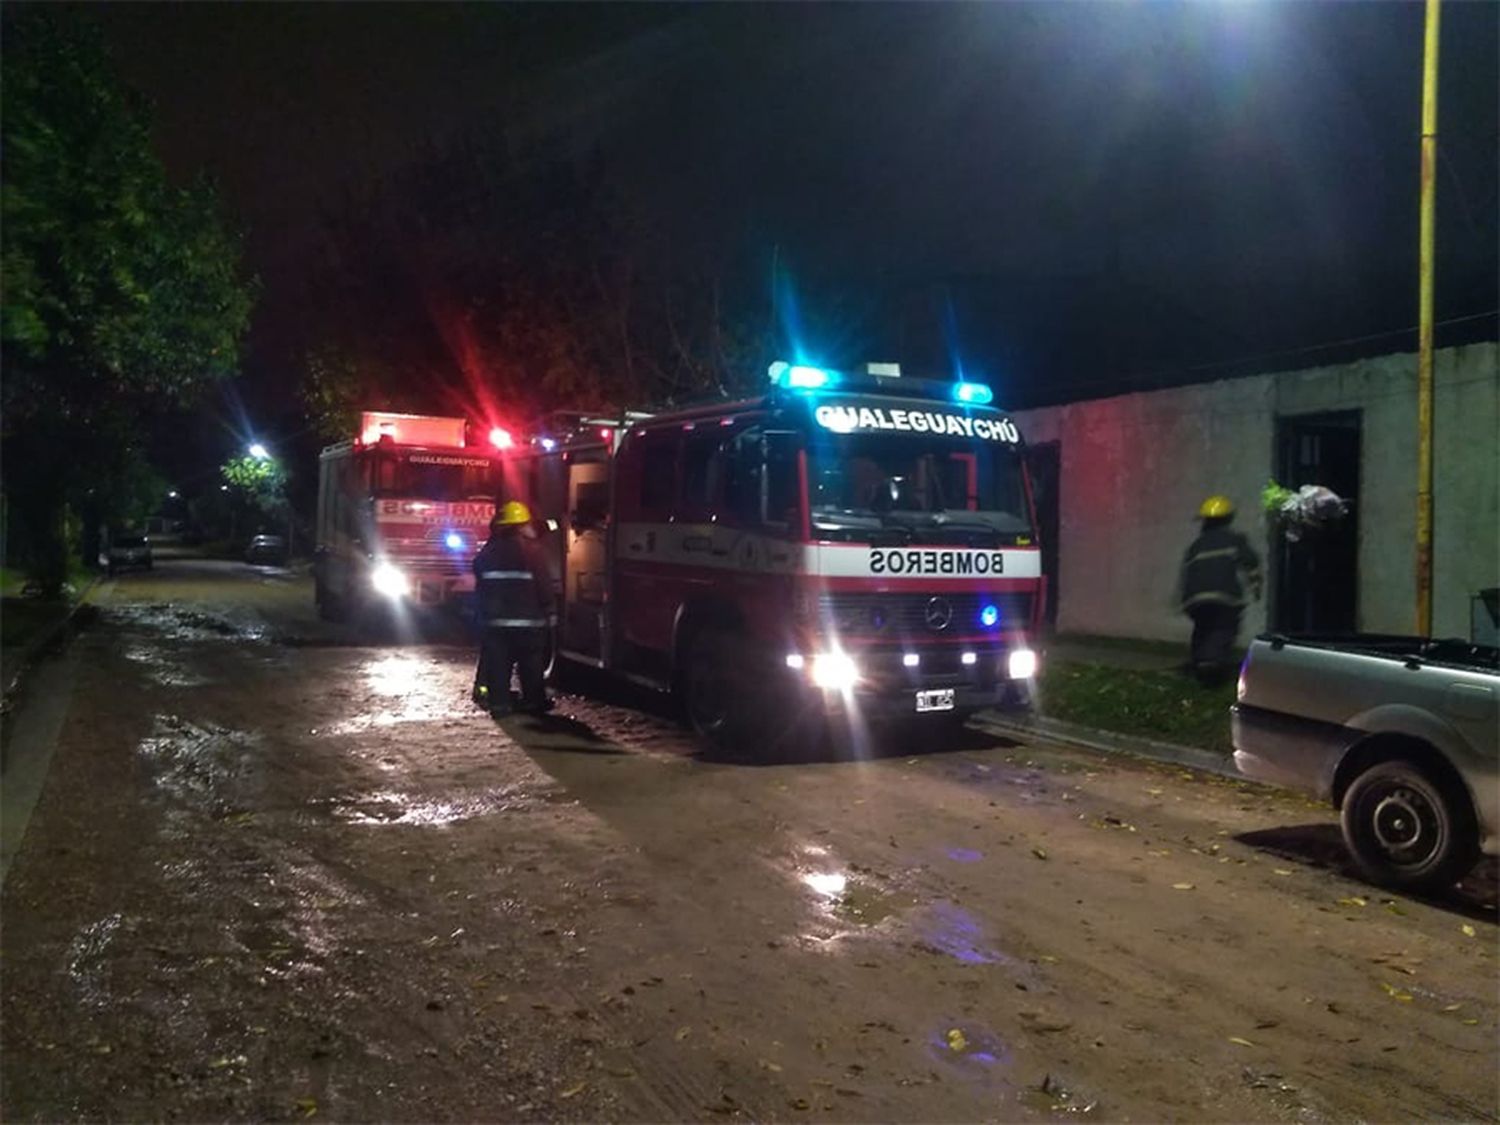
[(389, 581), (834, 671), (1022, 664)]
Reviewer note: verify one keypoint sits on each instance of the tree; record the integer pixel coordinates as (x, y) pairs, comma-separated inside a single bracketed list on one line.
[(486, 280), (123, 291)]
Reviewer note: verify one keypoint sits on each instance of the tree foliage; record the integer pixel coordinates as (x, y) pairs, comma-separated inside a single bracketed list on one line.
[(486, 280), (123, 291)]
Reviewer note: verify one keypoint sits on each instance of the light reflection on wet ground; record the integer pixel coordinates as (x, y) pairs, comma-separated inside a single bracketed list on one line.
[(410, 689), (87, 960), (389, 807)]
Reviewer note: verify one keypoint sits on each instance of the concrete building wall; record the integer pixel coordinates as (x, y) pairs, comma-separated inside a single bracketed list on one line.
[(1133, 470)]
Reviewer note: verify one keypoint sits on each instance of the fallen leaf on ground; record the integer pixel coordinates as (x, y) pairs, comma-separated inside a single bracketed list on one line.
[(1452, 1007), (1282, 870), (1241, 1042), (1395, 993), (1040, 853), (1467, 929), (1470, 1023), (956, 1040), (1395, 908), (683, 1033), (1182, 886), (307, 1107), (1353, 900), (573, 1091)]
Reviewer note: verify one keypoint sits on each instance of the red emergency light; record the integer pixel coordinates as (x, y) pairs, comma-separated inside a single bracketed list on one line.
[(500, 438)]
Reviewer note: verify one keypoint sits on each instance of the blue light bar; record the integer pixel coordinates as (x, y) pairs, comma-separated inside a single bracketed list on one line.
[(976, 394), (454, 541), (800, 377), (989, 615)]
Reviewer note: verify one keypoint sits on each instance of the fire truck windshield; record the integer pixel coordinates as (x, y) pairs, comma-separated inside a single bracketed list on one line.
[(876, 485), (434, 476)]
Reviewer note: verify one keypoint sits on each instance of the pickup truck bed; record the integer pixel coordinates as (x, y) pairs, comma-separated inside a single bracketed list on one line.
[(1401, 734)]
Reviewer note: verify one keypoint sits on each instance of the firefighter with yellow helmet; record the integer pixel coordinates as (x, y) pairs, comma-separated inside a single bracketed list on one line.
[(515, 606), (1210, 590)]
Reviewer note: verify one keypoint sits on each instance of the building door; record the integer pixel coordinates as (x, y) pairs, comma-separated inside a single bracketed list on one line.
[(1043, 464), (1315, 579)]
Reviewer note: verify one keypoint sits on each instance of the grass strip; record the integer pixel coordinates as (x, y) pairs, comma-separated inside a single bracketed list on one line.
[(1166, 706)]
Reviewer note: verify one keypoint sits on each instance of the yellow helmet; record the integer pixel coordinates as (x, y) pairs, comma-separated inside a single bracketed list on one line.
[(511, 514), (1216, 507)]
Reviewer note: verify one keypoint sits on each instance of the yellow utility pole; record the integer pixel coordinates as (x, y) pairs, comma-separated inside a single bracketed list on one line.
[(1424, 322)]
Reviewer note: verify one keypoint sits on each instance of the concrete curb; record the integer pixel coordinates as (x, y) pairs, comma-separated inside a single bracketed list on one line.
[(1110, 743), (26, 658)]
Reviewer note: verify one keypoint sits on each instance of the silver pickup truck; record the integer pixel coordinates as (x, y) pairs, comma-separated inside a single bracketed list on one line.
[(1401, 734)]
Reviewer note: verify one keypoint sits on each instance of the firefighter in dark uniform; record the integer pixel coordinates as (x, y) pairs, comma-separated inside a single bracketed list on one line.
[(515, 605), (1210, 589)]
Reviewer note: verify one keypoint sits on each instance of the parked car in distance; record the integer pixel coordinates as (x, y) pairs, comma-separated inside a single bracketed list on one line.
[(128, 551), (1401, 734), (269, 550)]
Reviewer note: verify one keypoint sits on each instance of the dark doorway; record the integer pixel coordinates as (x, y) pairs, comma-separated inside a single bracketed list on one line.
[(1043, 463), (1316, 578)]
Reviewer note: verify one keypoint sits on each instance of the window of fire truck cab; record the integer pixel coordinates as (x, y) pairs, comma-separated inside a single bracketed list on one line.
[(760, 479), (916, 487)]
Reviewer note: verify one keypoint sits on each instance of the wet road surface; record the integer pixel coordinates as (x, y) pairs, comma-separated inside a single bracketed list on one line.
[(280, 872)]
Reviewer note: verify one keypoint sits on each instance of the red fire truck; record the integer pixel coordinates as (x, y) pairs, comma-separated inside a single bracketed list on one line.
[(855, 543), (402, 508)]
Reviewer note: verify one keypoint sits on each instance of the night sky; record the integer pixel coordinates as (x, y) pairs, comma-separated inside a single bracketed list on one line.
[(1070, 198)]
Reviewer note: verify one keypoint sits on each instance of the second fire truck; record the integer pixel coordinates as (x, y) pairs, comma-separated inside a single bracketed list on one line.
[(852, 543)]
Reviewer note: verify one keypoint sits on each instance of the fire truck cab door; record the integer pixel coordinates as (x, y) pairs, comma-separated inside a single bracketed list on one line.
[(587, 566)]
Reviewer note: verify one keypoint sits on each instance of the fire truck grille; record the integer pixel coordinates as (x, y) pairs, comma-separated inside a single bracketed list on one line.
[(916, 615)]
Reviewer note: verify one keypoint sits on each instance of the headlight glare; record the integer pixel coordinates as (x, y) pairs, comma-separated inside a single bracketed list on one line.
[(834, 671), (1022, 664), (389, 581)]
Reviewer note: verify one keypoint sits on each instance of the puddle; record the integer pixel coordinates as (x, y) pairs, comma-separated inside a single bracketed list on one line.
[(181, 624), (86, 960), (868, 906), (391, 807), (196, 764), (949, 929), (162, 669), (1052, 1096), (967, 1047)]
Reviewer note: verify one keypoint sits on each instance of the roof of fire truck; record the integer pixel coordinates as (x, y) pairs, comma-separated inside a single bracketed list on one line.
[(791, 385), (388, 429)]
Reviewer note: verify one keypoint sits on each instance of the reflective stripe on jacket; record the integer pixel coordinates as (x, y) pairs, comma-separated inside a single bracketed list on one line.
[(512, 583), (1212, 566)]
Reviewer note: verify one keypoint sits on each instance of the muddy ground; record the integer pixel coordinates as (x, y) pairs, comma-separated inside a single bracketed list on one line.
[(278, 874)]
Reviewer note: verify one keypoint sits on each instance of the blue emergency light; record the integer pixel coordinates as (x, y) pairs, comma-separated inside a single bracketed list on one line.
[(796, 376), (976, 394), (989, 616), (454, 541)]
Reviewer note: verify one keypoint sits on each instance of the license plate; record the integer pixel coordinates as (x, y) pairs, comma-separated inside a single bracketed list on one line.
[(940, 699)]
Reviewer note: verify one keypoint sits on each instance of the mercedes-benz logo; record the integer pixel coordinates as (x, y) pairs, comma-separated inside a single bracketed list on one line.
[(938, 614)]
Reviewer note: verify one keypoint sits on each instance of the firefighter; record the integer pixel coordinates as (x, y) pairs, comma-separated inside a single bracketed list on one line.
[(1210, 591), (515, 605)]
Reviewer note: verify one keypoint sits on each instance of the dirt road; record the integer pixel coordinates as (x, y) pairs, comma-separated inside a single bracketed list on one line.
[(278, 875)]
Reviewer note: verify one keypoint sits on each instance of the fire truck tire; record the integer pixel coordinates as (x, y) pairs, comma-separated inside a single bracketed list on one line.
[(710, 694)]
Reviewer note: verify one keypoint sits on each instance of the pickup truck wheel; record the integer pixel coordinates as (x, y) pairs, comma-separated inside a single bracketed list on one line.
[(1406, 831)]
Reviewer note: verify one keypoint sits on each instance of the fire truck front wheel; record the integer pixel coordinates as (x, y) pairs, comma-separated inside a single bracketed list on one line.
[(710, 691)]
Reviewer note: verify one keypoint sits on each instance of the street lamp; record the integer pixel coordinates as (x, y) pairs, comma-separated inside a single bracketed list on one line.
[(172, 495), (259, 452)]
